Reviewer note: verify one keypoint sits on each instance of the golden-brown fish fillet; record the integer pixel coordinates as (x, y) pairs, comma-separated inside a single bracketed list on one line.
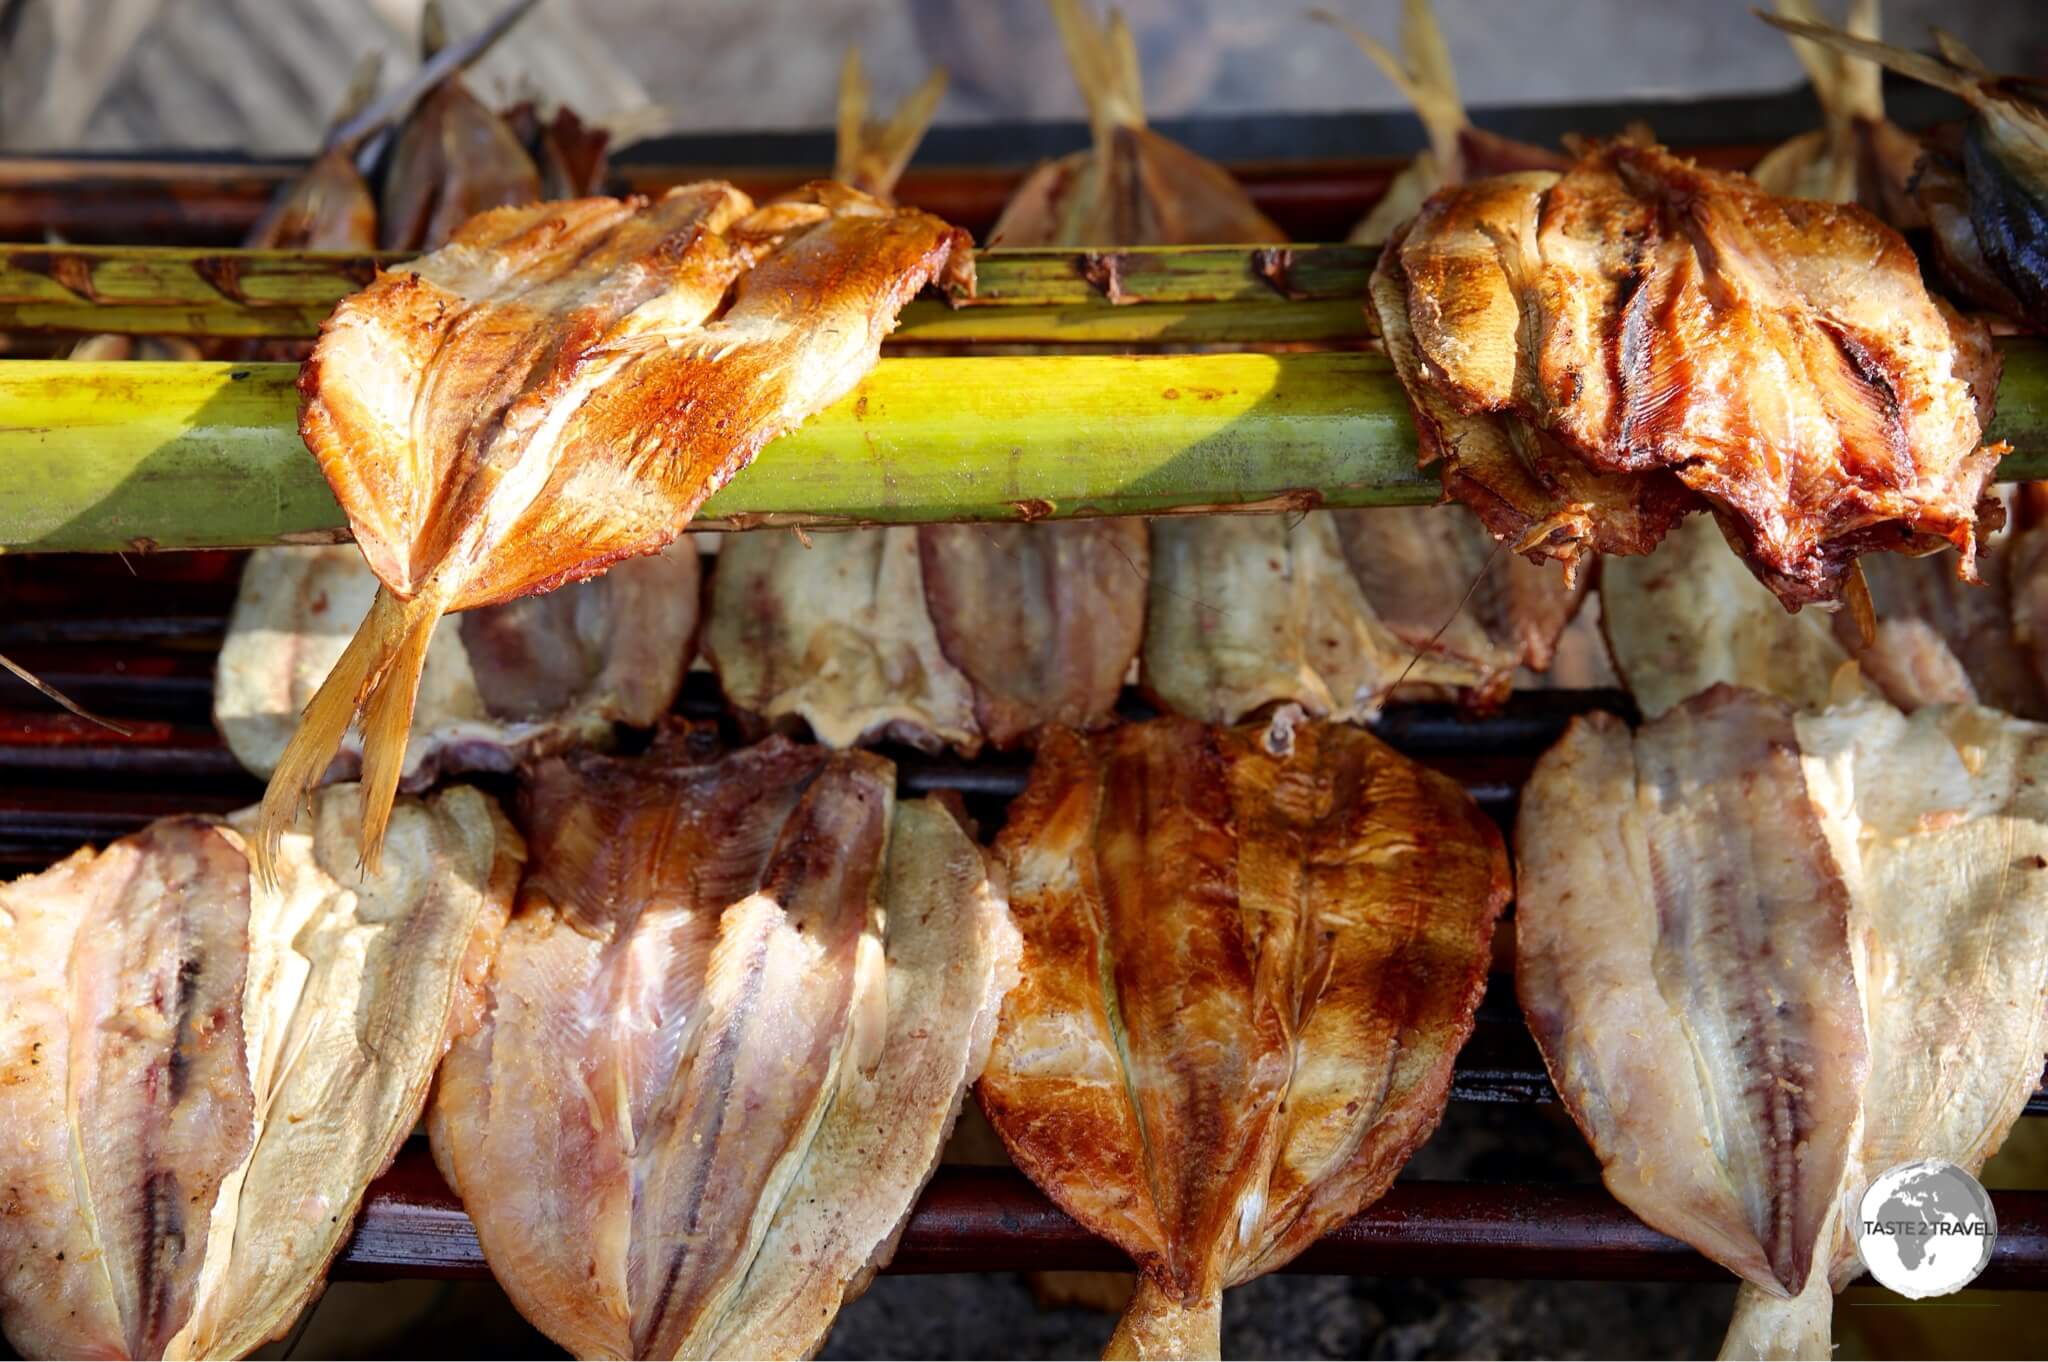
[(201, 1073), (1592, 355), (1250, 956), (559, 388)]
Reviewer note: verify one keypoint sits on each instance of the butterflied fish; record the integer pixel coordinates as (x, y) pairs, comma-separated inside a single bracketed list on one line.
[(559, 389), (834, 629), (1423, 73), (1132, 187), (728, 1030), (330, 207), (453, 159), (1250, 956), (203, 1072), (1590, 356), (2003, 164), (945, 635), (1758, 1012), (1690, 615), (1248, 611), (835, 632), (500, 685)]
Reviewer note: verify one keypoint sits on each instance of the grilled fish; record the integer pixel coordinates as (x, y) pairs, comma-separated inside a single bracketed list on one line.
[(500, 685), (453, 159), (1756, 1014), (943, 635), (835, 632), (1457, 151), (1997, 252), (558, 389), (1250, 956), (729, 1028), (1592, 356), (203, 1072)]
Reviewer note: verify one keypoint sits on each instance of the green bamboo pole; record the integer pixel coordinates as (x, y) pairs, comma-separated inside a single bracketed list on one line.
[(103, 457), (1206, 294), (123, 456)]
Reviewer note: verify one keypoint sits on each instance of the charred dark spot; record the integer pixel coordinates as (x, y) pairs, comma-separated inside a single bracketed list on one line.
[(1275, 265), (1105, 270)]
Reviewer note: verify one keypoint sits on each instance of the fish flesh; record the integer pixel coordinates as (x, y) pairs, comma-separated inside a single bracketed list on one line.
[(1758, 1014), (453, 159), (1248, 611), (557, 390), (935, 636), (728, 1030), (1707, 987), (1591, 356), (1457, 151), (2001, 260), (1689, 615), (203, 1071), (1250, 956), (500, 685), (835, 632), (1043, 620)]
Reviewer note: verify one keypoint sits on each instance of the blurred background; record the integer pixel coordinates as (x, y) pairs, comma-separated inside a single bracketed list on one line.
[(262, 75)]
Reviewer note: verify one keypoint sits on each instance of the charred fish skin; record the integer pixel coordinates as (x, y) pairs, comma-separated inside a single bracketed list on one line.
[(1249, 957), (1708, 986), (665, 1127), (2011, 218), (1646, 337)]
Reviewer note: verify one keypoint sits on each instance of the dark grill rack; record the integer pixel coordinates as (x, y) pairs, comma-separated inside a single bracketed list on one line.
[(136, 639)]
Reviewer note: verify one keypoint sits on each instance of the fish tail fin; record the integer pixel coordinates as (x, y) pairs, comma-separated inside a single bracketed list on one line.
[(357, 680), (387, 722)]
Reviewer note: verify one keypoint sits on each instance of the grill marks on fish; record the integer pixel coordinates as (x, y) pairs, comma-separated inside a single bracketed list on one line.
[(1249, 957)]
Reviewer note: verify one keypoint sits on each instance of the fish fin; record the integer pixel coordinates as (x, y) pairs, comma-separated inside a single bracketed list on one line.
[(1956, 52), (1422, 74), (1922, 68), (349, 686), (1105, 62), (387, 722), (61, 698)]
